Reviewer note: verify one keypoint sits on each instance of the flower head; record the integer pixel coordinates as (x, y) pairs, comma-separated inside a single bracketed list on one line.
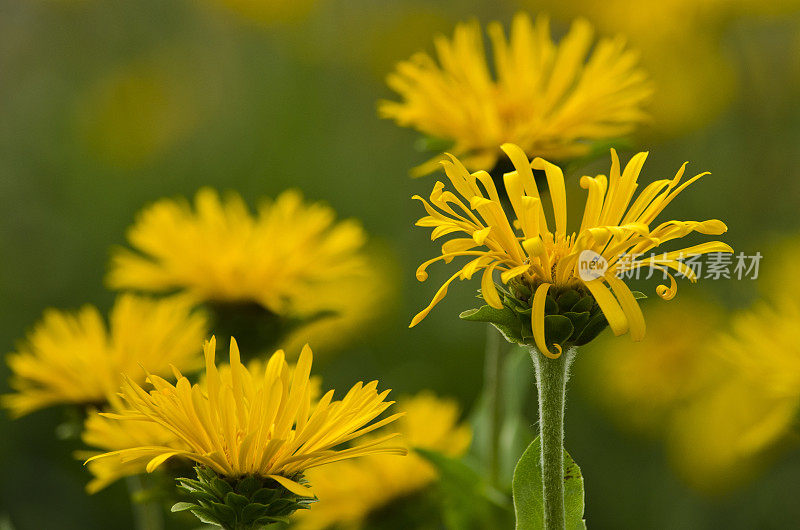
[(350, 492), (219, 252), (77, 358), (553, 100), (261, 425), (542, 263)]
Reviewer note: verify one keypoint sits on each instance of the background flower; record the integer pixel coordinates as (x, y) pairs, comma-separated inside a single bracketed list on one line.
[(351, 491), (75, 358)]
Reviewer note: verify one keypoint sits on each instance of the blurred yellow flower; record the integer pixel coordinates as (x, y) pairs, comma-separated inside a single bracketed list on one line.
[(350, 491), (682, 45), (292, 258), (553, 100), (77, 358), (529, 254), (140, 110), (642, 384), (261, 425)]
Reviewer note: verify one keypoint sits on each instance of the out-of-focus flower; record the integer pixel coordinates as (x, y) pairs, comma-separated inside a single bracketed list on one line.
[(553, 100), (682, 48), (642, 384), (140, 110), (293, 259), (106, 434), (532, 259), (349, 492), (75, 358), (261, 425)]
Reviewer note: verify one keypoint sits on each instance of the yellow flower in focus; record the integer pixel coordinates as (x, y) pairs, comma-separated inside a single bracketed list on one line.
[(553, 100), (642, 384), (535, 255), (350, 491), (108, 434), (285, 258), (260, 425), (77, 358)]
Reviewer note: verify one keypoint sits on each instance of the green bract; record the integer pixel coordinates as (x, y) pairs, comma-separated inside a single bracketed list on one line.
[(249, 503)]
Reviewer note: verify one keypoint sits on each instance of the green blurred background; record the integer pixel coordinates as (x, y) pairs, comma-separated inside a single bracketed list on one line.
[(108, 105)]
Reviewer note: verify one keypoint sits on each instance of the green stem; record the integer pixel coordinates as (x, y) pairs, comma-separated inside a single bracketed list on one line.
[(492, 391), (147, 513), (551, 380)]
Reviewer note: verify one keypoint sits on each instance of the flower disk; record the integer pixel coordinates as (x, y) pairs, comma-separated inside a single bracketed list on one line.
[(553, 100), (219, 252), (76, 358), (262, 425), (532, 258)]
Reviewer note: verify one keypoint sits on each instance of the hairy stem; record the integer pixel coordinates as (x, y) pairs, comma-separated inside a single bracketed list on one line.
[(551, 380)]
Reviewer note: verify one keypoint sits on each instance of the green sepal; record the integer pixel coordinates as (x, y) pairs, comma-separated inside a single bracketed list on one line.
[(567, 300), (505, 320), (584, 304), (557, 329), (595, 326), (247, 503), (579, 322)]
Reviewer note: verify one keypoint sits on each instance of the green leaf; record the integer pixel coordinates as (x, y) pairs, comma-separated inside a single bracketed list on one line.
[(638, 295), (468, 501), (527, 489), (557, 329), (220, 487)]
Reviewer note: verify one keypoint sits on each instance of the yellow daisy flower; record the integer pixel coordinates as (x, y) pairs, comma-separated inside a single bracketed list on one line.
[(77, 358), (553, 100), (107, 434), (350, 491), (260, 425), (282, 258), (536, 257)]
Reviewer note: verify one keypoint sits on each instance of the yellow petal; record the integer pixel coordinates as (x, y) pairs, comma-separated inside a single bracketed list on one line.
[(537, 322)]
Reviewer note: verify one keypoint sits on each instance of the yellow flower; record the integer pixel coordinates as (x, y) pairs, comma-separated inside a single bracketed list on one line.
[(219, 252), (76, 358), (261, 425), (553, 100), (536, 256), (108, 434), (350, 491), (642, 384)]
